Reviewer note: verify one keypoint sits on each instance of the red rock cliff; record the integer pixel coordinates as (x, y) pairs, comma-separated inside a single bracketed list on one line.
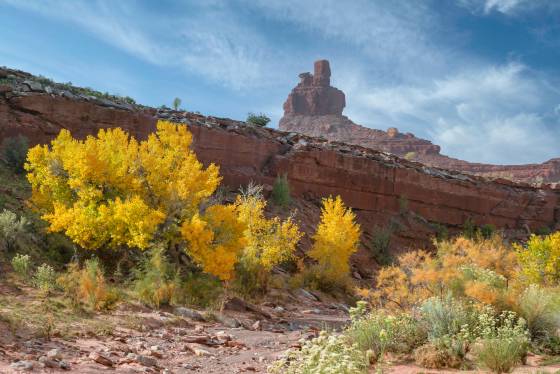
[(315, 109)]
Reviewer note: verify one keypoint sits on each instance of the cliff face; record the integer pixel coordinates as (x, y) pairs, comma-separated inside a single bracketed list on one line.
[(329, 123), (383, 189)]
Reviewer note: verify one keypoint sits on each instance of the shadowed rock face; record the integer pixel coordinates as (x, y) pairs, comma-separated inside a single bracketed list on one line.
[(315, 109), (374, 183)]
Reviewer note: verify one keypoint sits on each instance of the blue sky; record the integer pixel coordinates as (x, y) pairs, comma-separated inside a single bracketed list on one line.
[(481, 78)]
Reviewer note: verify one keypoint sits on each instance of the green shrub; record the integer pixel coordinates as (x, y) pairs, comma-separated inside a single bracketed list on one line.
[(45, 278), (260, 120), (469, 229), (22, 266), (322, 355), (176, 103), (314, 277), (543, 231), (501, 355), (10, 229), (486, 231), (380, 242), (442, 233), (250, 281), (200, 290), (446, 318), (403, 204), (502, 340), (14, 152), (380, 333), (156, 281), (540, 308), (281, 191)]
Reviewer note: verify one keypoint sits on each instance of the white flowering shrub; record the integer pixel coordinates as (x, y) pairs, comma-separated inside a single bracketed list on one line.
[(503, 341), (45, 278), (483, 275), (326, 354), (379, 333), (22, 265), (456, 326)]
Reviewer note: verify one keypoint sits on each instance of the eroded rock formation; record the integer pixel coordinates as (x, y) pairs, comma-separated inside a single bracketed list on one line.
[(314, 96), (313, 108)]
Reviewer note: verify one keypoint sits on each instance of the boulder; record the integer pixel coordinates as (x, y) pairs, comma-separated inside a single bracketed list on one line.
[(189, 313)]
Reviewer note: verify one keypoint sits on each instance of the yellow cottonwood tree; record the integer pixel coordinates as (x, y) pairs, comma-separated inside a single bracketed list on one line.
[(113, 191), (335, 240), (540, 260), (215, 239), (268, 241)]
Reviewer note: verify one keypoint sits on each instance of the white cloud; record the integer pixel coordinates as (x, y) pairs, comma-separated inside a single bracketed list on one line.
[(212, 44), (390, 35), (503, 6), (486, 114), (223, 49), (508, 7), (111, 22)]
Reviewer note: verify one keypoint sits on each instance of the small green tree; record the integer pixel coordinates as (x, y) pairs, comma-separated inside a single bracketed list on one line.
[(260, 120), (176, 103), (380, 243), (469, 228), (14, 152), (486, 231), (156, 279), (281, 191)]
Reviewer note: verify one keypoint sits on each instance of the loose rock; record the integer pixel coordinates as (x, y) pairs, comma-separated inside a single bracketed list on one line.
[(101, 359), (189, 313), (22, 365)]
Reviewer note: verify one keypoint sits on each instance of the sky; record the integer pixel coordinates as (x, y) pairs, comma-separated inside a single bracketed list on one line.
[(480, 78)]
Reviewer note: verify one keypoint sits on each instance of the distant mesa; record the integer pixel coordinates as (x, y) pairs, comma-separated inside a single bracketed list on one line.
[(315, 108)]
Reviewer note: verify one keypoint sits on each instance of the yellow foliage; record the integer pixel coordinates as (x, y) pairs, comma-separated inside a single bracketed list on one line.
[(335, 240), (480, 269), (482, 292), (394, 289), (268, 241), (111, 190), (540, 260), (215, 239)]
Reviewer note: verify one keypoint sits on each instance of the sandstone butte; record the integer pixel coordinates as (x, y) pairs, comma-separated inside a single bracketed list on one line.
[(315, 108), (384, 190)]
